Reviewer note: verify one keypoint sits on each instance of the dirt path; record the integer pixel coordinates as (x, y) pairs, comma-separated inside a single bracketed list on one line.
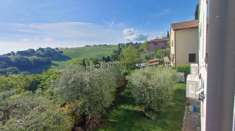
[(191, 121)]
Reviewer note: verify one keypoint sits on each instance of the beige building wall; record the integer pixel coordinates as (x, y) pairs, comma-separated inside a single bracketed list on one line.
[(186, 42)]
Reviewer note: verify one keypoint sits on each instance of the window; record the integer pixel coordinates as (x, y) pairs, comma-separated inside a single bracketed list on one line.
[(192, 58)]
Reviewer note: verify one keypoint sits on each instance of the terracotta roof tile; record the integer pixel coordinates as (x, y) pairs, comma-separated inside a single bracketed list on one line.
[(185, 25)]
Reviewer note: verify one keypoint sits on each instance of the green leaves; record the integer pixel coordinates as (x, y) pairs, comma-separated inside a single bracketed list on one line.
[(94, 88), (130, 55), (152, 87), (161, 53), (29, 112), (183, 69)]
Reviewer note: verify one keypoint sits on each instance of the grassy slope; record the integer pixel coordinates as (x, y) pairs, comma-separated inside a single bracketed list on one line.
[(89, 52), (84, 52), (127, 116)]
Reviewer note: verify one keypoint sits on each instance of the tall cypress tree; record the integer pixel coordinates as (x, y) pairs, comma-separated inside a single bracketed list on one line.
[(197, 12)]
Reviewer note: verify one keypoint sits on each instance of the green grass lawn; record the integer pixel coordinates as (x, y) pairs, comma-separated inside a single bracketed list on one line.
[(89, 52), (128, 117)]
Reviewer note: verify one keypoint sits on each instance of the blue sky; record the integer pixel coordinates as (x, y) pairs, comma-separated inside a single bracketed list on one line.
[(68, 23)]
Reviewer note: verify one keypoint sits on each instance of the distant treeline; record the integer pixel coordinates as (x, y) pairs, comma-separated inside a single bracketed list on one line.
[(29, 61)]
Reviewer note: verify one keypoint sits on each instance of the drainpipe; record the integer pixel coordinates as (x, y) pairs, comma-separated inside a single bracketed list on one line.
[(221, 65)]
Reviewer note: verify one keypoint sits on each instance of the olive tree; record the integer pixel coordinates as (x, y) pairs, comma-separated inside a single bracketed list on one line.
[(28, 112), (92, 89), (152, 87)]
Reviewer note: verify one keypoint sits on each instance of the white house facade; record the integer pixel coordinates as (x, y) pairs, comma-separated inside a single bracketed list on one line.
[(197, 80), (203, 24)]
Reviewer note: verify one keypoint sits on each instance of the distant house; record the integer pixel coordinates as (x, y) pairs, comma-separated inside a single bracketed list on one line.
[(184, 43), (153, 62), (157, 44)]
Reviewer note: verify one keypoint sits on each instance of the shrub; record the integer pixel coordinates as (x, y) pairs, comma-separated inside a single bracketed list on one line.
[(183, 69), (130, 55), (47, 82), (12, 85), (152, 87), (27, 112)]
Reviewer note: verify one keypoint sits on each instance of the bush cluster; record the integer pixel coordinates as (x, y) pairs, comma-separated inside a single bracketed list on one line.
[(93, 91), (183, 69), (152, 87), (28, 112)]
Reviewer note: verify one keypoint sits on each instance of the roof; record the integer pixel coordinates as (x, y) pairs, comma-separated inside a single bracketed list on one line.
[(157, 44), (158, 40), (185, 25), (153, 60)]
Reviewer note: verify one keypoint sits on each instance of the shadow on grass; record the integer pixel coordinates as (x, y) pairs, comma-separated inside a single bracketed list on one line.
[(127, 116), (125, 119), (171, 119), (122, 99)]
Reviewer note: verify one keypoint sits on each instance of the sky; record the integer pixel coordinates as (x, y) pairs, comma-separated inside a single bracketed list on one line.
[(74, 23)]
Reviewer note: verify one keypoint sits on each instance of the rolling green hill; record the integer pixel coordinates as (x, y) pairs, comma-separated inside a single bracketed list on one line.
[(84, 52), (89, 52)]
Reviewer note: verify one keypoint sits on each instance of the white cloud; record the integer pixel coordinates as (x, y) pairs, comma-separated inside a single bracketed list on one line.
[(131, 35), (8, 46), (14, 36)]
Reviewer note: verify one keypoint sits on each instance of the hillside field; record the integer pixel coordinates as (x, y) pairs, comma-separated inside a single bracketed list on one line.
[(89, 52)]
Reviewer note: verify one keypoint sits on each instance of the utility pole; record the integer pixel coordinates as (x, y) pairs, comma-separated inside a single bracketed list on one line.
[(221, 65)]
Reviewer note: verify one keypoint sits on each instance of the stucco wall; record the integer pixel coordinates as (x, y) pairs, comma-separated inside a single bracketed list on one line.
[(186, 42)]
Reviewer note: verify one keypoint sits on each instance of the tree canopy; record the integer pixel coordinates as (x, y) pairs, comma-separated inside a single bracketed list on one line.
[(29, 61), (152, 87), (130, 55), (28, 112)]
